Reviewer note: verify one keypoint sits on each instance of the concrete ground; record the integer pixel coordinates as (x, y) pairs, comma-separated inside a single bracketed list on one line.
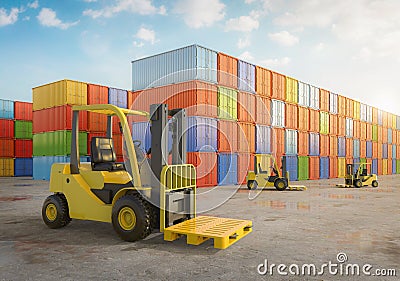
[(309, 227)]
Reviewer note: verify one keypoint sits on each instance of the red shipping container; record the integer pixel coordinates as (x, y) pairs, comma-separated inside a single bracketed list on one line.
[(303, 119), (227, 136), (6, 128), (279, 144), (374, 115), (245, 164), (246, 107), (117, 141), (291, 113), (227, 70), (302, 143), (324, 145), (278, 86), (390, 167), (333, 146), (23, 110), (390, 151), (369, 132), (333, 167), (131, 99), (94, 134), (356, 129), (341, 105), (323, 100), (341, 126), (380, 168), (263, 82), (6, 148), (246, 137), (206, 167), (374, 150), (263, 110), (333, 124), (314, 167), (23, 148), (97, 122), (97, 94), (349, 107), (314, 120), (363, 149), (382, 134), (349, 147)]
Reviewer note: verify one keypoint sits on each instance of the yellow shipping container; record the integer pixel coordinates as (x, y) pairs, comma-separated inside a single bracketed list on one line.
[(394, 121), (341, 167), (59, 93), (6, 167), (291, 90), (324, 123), (384, 166), (357, 110)]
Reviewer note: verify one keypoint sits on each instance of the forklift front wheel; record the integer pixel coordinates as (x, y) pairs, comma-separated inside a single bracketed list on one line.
[(55, 211), (252, 184), (280, 184), (375, 184), (358, 183)]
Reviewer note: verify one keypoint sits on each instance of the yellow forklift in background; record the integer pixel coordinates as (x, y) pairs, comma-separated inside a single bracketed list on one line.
[(140, 195), (359, 177)]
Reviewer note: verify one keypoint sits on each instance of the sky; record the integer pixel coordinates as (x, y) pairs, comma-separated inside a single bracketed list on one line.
[(351, 48)]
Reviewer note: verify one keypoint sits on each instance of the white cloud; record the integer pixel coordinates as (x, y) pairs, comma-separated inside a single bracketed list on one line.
[(284, 38), (247, 56), (146, 35), (200, 13), (34, 5), (141, 7), (48, 17), (242, 23), (273, 63), (243, 43), (7, 19), (90, 1)]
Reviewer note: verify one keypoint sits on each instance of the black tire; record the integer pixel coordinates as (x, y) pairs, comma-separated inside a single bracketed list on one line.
[(55, 212), (280, 184), (357, 183), (375, 184), (131, 217), (252, 184)]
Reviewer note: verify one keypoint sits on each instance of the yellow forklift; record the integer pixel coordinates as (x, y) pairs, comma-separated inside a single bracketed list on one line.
[(359, 177), (267, 174), (143, 193)]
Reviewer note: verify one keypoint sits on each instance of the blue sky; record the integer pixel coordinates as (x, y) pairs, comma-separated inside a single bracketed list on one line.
[(348, 47)]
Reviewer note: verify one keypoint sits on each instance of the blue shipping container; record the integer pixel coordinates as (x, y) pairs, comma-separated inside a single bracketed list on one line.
[(290, 142), (374, 166), (263, 139), (394, 151), (356, 161), (6, 109), (394, 166), (390, 136), (384, 151), (342, 147), (290, 164), (202, 134), (356, 148), (23, 167), (314, 144), (324, 168), (246, 76), (42, 165), (141, 131), (118, 97), (185, 64), (369, 149), (227, 168)]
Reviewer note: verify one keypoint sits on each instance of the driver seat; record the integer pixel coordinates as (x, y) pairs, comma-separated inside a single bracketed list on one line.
[(103, 156)]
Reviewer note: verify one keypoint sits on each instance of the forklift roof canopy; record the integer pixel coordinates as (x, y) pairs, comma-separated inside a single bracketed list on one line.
[(108, 109)]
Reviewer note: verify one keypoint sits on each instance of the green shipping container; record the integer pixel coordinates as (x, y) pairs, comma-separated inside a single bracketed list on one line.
[(57, 143), (398, 166), (303, 168), (227, 103), (363, 160), (375, 132), (324, 123), (23, 129)]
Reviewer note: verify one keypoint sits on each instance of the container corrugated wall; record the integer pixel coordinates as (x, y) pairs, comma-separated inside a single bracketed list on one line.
[(227, 70), (291, 90), (42, 165), (324, 168), (290, 164), (304, 94), (202, 134), (314, 97), (290, 142), (227, 168), (324, 123), (263, 139), (227, 103), (6, 167), (6, 109), (22, 111), (333, 103), (23, 167), (278, 113), (206, 167), (303, 168), (246, 76), (227, 136), (118, 97), (263, 82), (314, 144)]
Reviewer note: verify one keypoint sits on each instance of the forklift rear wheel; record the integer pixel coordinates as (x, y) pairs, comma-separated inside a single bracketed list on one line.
[(131, 218), (358, 183), (375, 184), (55, 211), (252, 184), (280, 184)]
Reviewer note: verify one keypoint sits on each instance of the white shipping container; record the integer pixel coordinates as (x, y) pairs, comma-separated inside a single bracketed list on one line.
[(314, 97), (333, 103), (369, 114), (349, 127), (363, 112), (278, 113), (304, 94), (185, 64), (290, 142)]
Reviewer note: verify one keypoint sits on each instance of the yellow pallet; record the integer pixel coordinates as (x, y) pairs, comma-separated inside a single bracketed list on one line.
[(296, 188), (224, 231)]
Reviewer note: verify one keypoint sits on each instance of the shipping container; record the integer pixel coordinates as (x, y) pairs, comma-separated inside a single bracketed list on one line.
[(356, 148), (363, 149), (357, 129), (380, 150), (349, 127), (64, 92), (290, 164), (363, 112), (263, 139), (97, 122), (384, 154), (206, 167), (349, 108), (341, 126), (394, 121), (304, 94), (227, 136), (42, 165), (385, 119), (394, 166), (374, 115), (398, 122), (324, 145), (97, 94), (278, 113), (324, 168), (363, 130), (374, 132), (118, 97), (303, 168), (291, 119), (333, 125), (246, 137), (389, 136), (278, 144), (369, 114), (398, 166), (314, 120), (333, 167), (341, 167), (227, 70), (291, 90), (263, 110), (314, 97), (57, 143), (227, 103), (23, 167), (6, 109), (23, 148), (245, 164), (324, 123), (227, 168), (6, 167), (6, 148), (302, 143), (202, 134), (341, 105), (349, 148), (389, 151), (290, 142), (385, 167), (263, 82), (185, 64), (382, 134), (246, 76), (246, 108), (333, 103), (341, 147), (6, 128), (278, 86), (303, 119), (380, 117), (118, 146), (131, 99), (313, 144), (323, 100), (141, 133), (374, 166), (23, 110), (356, 111), (333, 146), (375, 150), (356, 162), (369, 131), (394, 151), (23, 129), (314, 168)]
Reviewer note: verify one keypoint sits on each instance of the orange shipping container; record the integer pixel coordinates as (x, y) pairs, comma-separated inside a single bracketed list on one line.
[(363, 149), (278, 86), (97, 94), (292, 114), (6, 148), (131, 99), (369, 131), (227, 71), (97, 122), (349, 107), (246, 137), (263, 82), (384, 119), (341, 126), (245, 164), (374, 115), (263, 110), (279, 141), (363, 131), (314, 167), (379, 149), (341, 105), (314, 120), (333, 124), (227, 136), (349, 147), (333, 146), (333, 167), (374, 150), (246, 107), (323, 100), (357, 129), (206, 167), (117, 141), (398, 152), (324, 145), (302, 143), (380, 168), (383, 134), (303, 119)]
